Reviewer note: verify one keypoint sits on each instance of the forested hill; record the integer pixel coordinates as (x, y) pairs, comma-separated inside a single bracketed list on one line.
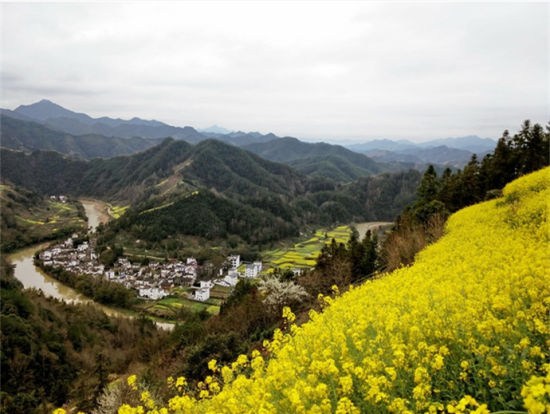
[(321, 159), (214, 189), (27, 135), (210, 164)]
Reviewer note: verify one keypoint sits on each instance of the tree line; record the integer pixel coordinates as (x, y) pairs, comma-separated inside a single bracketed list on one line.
[(422, 222)]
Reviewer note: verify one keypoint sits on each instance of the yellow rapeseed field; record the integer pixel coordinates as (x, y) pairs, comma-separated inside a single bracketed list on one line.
[(465, 329)]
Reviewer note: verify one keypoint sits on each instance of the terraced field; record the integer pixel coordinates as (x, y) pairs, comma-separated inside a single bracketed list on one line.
[(117, 211), (304, 254)]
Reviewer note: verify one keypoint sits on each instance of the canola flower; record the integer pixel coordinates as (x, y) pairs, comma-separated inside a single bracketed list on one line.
[(466, 329)]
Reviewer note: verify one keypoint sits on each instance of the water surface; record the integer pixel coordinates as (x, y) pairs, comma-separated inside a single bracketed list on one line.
[(33, 277)]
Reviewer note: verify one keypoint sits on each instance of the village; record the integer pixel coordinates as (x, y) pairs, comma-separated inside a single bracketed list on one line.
[(154, 280)]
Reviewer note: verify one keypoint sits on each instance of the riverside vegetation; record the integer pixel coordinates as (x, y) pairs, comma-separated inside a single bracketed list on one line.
[(465, 329)]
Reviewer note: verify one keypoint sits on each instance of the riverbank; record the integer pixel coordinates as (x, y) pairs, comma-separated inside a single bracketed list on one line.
[(33, 277)]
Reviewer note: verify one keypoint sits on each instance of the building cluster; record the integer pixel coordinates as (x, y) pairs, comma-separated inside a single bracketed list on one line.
[(153, 280), (251, 270), (77, 259)]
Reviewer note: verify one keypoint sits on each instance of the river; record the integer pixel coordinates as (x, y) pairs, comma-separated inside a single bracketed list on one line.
[(96, 212), (33, 277)]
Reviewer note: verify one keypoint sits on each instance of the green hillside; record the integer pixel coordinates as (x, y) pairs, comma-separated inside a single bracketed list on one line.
[(334, 167), (53, 351), (319, 159), (29, 218)]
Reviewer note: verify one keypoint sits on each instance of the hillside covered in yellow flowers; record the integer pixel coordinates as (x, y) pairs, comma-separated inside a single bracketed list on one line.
[(465, 329)]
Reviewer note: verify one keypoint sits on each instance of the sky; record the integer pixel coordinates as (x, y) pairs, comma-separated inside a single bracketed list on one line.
[(333, 71)]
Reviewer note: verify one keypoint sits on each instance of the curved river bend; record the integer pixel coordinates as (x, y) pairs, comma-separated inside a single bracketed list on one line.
[(33, 277)]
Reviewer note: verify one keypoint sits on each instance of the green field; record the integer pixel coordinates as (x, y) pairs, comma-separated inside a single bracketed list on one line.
[(168, 307), (304, 254)]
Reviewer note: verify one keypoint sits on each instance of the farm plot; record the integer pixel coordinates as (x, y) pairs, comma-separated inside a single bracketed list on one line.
[(304, 254)]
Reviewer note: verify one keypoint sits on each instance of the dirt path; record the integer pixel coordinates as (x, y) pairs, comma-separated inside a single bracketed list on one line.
[(362, 228)]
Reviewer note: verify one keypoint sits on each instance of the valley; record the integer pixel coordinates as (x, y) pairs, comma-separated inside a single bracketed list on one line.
[(65, 258)]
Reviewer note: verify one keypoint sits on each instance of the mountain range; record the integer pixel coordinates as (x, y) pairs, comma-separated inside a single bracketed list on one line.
[(210, 189), (451, 152), (20, 134), (48, 126), (320, 159)]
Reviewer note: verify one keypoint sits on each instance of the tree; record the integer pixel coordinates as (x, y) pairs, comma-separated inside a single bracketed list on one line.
[(281, 293), (429, 186)]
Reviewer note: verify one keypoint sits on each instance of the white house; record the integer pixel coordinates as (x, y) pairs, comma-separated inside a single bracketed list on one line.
[(190, 270), (202, 294), (252, 270), (230, 280), (234, 260), (258, 266), (152, 293)]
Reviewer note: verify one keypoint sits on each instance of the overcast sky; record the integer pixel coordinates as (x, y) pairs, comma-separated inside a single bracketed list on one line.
[(329, 71)]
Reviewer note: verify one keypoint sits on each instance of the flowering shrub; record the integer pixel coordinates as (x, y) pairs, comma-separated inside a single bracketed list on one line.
[(463, 330)]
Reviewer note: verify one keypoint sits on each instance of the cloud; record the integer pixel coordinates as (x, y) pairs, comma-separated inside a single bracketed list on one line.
[(346, 70)]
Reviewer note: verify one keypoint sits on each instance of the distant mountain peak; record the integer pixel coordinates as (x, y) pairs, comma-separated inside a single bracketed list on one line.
[(216, 129), (46, 109)]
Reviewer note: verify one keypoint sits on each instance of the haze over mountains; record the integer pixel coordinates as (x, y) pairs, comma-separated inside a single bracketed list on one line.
[(46, 125), (455, 152)]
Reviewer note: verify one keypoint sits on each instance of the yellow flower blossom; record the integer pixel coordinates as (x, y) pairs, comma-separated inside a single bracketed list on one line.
[(132, 381)]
